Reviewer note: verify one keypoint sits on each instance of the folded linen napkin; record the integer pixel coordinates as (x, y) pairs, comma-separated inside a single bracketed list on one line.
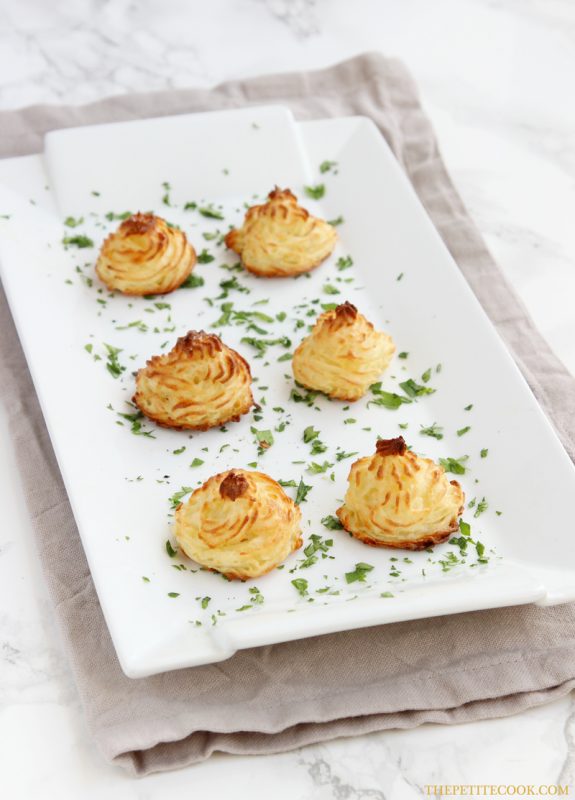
[(451, 669)]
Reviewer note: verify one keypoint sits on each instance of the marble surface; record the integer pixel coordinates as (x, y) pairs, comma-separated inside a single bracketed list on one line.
[(496, 76)]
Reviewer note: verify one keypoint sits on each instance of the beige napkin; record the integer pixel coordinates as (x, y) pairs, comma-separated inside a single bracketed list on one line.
[(449, 669)]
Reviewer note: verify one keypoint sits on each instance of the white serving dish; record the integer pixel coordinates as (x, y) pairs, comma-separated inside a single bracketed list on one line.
[(431, 313)]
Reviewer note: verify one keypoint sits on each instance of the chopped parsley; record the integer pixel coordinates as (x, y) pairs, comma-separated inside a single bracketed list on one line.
[(340, 455), (317, 469), (327, 166), (257, 597), (413, 389), (308, 398), (177, 497), (482, 506), (332, 523), (204, 257), (390, 400), (454, 465), (329, 289), (137, 428), (229, 315), (310, 434), (300, 584), (111, 216), (264, 439), (170, 549), (192, 282), (231, 284), (302, 492), (209, 211), (112, 364), (72, 222), (359, 573), (435, 431), (79, 241), (484, 452), (463, 431), (261, 345), (465, 539), (316, 546), (197, 462), (315, 192), (403, 355), (344, 262), (173, 594), (209, 236), (337, 221), (179, 451)]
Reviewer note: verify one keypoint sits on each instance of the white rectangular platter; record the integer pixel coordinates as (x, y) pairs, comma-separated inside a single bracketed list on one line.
[(123, 478)]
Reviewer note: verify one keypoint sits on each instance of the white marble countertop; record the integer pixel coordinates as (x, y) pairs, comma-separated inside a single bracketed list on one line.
[(496, 76)]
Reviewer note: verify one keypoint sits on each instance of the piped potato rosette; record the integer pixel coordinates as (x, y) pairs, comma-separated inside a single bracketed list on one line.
[(201, 383), (398, 499), (343, 355), (280, 238), (239, 523), (145, 256)]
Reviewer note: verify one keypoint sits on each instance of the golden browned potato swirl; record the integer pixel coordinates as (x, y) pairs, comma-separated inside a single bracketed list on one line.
[(343, 355), (201, 383), (239, 523), (145, 256), (398, 499), (280, 238)]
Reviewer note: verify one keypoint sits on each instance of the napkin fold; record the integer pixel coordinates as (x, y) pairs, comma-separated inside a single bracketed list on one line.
[(449, 669)]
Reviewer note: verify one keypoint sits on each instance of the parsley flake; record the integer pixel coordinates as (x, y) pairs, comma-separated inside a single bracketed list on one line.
[(454, 465), (332, 523), (264, 439), (327, 166), (209, 211), (79, 241), (176, 498), (344, 262), (170, 549), (435, 431), (413, 389), (300, 584), (72, 222), (310, 434), (302, 492), (315, 192), (359, 573), (204, 257), (192, 282)]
